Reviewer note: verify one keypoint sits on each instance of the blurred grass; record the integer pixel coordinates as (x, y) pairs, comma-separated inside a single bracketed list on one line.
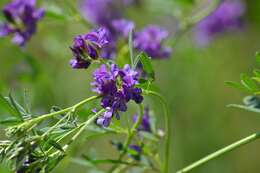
[(192, 81)]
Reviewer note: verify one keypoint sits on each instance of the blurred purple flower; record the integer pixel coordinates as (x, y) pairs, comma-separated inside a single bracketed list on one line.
[(150, 40), (87, 47), (123, 26), (145, 124), (117, 87), (227, 17), (21, 20), (101, 12)]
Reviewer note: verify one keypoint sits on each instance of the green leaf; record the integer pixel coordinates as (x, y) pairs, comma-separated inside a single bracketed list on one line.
[(10, 121), (257, 57), (116, 128), (54, 161), (235, 85), (105, 161), (82, 162), (146, 64), (55, 145), (149, 136), (251, 109), (147, 85), (4, 104), (248, 83), (19, 109), (54, 12), (257, 73)]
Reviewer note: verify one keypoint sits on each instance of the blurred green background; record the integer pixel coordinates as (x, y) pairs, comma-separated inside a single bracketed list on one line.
[(192, 81)]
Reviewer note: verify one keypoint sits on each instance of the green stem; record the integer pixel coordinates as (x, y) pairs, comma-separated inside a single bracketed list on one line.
[(129, 137), (83, 127), (220, 152), (31, 123), (167, 129), (190, 22), (130, 44), (76, 14), (55, 125)]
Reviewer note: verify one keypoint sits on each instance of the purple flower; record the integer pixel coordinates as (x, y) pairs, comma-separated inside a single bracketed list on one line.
[(108, 14), (150, 40), (117, 87), (21, 20), (100, 12), (87, 47), (123, 26), (227, 17), (145, 124)]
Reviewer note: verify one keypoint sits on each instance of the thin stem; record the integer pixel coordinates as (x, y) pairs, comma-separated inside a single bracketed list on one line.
[(167, 129), (33, 122), (221, 152), (77, 15), (190, 22), (55, 125), (129, 137), (83, 126), (130, 44)]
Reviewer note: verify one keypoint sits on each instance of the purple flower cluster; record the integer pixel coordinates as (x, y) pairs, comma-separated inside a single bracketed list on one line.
[(117, 87), (145, 124), (227, 17), (21, 20), (150, 40), (109, 14), (87, 47)]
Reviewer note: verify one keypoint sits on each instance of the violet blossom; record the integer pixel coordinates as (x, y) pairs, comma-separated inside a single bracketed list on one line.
[(117, 87), (87, 47), (21, 20), (145, 123)]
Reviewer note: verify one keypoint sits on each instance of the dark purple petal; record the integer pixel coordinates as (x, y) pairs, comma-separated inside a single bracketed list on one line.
[(117, 88), (145, 123), (79, 63), (88, 46), (5, 30)]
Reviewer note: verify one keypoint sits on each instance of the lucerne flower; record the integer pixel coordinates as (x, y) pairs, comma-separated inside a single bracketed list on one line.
[(117, 88), (21, 20)]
